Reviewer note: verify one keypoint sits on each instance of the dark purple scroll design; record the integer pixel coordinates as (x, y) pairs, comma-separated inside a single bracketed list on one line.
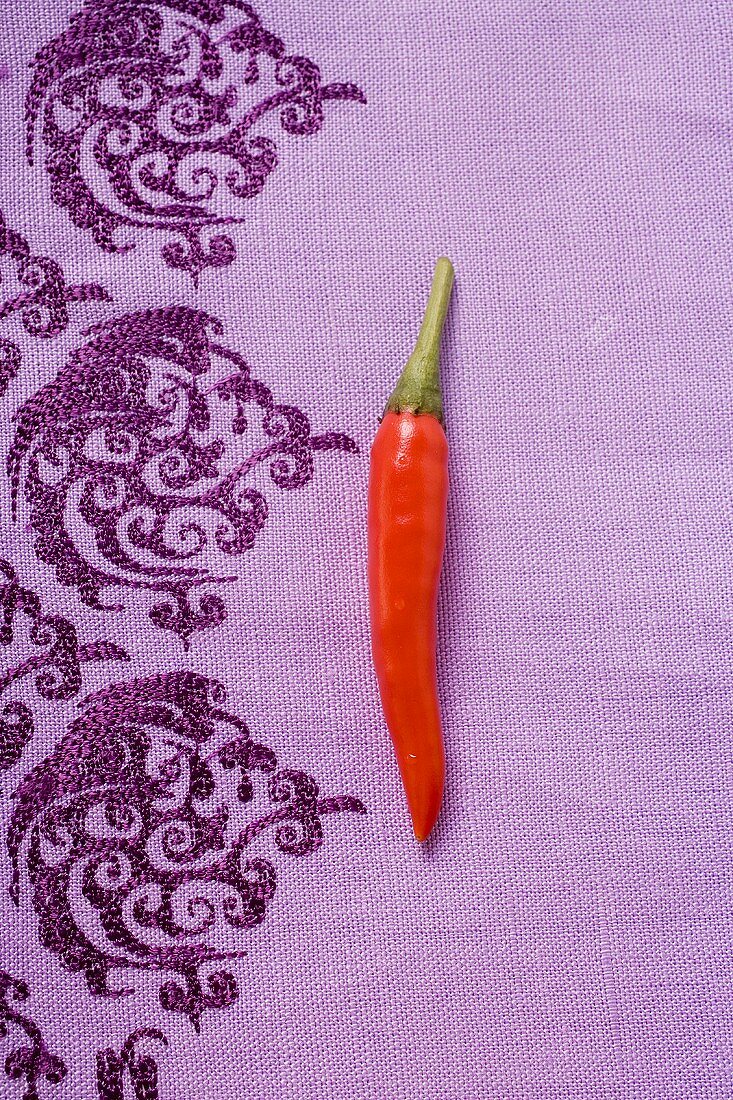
[(33, 291), (156, 116), (147, 460), (149, 836), (29, 1061), (55, 663), (136, 1064)]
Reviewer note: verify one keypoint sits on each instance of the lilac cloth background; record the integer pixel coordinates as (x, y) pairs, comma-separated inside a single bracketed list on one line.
[(567, 932)]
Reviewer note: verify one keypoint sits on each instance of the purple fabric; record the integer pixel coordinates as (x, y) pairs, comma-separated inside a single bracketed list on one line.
[(198, 796)]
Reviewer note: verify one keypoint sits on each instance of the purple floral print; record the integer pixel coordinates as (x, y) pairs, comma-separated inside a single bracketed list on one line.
[(34, 290), (29, 1059), (160, 816), (161, 115), (140, 460)]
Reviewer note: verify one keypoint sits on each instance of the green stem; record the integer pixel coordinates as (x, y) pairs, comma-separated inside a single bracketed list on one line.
[(418, 387)]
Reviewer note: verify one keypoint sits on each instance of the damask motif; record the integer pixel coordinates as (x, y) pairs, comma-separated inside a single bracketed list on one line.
[(138, 1067), (56, 665), (35, 291), (140, 459), (150, 834), (154, 115), (30, 1060)]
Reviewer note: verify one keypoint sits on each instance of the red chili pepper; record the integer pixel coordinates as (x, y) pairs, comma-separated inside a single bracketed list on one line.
[(408, 492)]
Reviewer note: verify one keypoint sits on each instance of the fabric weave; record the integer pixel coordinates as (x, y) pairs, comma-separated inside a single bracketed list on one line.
[(190, 782)]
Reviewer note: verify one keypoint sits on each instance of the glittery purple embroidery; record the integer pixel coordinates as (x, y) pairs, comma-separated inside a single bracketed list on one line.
[(147, 460), (30, 1062), (155, 115), (139, 1067), (149, 835), (34, 291), (56, 662)]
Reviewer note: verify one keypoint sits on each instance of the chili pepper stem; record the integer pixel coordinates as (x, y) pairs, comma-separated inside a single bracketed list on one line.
[(418, 387)]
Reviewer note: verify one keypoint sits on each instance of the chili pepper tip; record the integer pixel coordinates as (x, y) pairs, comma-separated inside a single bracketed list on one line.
[(418, 387)]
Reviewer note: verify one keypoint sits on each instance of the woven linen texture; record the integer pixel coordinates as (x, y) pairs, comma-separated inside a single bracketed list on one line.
[(219, 226)]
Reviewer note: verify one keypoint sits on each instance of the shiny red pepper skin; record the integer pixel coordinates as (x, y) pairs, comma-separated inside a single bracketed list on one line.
[(408, 494)]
